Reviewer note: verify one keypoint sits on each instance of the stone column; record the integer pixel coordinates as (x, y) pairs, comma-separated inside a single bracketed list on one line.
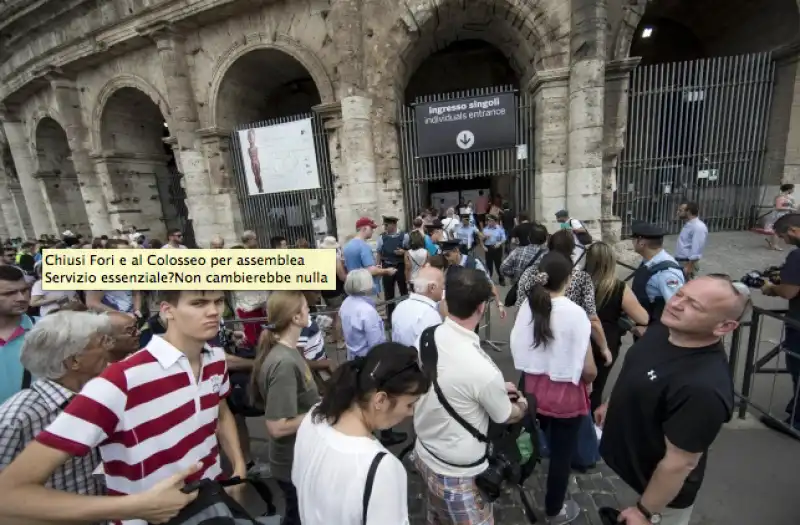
[(23, 160), (55, 202), (4, 231), (183, 127), (782, 163), (615, 125), (586, 111), (357, 187), (550, 89), (18, 199), (216, 147), (8, 208), (67, 99)]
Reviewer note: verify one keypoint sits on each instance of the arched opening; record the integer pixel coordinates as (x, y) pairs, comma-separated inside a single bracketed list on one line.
[(262, 89), (699, 109), (58, 178), (672, 31), (463, 72), (141, 166)]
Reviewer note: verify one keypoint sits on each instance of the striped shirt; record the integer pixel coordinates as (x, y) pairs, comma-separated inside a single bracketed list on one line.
[(149, 418), (30, 411)]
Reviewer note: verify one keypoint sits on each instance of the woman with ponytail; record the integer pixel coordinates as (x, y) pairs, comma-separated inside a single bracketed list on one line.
[(550, 344), (336, 445), (282, 383)]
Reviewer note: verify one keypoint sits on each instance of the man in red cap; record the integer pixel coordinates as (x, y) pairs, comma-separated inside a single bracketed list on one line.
[(358, 253)]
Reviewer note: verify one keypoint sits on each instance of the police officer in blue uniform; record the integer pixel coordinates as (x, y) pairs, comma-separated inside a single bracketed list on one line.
[(494, 238), (659, 276), (391, 248)]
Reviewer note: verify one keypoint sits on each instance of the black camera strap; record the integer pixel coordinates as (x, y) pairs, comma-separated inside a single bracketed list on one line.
[(429, 356)]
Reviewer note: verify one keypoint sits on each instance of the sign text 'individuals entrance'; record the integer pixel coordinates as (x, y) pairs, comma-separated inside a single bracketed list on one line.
[(464, 125)]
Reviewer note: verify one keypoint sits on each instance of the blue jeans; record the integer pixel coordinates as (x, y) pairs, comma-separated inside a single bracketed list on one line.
[(791, 343)]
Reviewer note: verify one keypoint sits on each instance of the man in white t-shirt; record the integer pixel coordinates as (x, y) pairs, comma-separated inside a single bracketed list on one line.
[(445, 452), (578, 232), (450, 224)]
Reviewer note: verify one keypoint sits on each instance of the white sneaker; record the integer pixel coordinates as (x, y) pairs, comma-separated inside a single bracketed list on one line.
[(569, 513)]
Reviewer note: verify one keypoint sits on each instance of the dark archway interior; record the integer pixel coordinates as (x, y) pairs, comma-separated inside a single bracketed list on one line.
[(53, 150), (264, 84), (133, 124), (463, 65), (676, 30)]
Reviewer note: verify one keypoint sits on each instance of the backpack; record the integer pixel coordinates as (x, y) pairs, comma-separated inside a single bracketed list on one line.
[(583, 237), (213, 506)]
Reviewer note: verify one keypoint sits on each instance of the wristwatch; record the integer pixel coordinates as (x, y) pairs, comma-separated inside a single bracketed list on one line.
[(652, 517)]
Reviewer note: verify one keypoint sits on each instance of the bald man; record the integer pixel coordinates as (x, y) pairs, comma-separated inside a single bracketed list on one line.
[(126, 335), (672, 397), (421, 309), (217, 243)]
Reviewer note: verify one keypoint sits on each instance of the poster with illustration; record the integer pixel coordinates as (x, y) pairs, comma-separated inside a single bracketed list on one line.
[(279, 158)]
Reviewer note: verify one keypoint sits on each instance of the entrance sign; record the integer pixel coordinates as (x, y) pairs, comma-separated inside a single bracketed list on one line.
[(465, 125), (279, 158)]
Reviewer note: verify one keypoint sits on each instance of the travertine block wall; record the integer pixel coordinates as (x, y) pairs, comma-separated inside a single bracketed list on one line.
[(205, 67)]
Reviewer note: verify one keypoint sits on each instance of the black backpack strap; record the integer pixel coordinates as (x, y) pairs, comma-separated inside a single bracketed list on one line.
[(429, 356), (664, 265), (26, 379), (373, 469)]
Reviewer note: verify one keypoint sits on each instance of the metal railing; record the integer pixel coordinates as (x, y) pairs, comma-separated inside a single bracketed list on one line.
[(767, 370), (484, 327)]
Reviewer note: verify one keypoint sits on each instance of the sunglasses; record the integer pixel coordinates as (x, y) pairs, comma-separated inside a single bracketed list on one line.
[(382, 381)]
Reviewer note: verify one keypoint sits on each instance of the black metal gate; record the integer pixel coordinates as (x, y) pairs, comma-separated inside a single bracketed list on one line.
[(303, 214), (696, 132), (517, 163)]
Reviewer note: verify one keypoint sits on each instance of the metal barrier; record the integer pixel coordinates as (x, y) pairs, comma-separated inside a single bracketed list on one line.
[(757, 363), (485, 325)]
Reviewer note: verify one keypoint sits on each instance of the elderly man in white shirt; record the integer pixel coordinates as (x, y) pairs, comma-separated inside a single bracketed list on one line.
[(421, 309)]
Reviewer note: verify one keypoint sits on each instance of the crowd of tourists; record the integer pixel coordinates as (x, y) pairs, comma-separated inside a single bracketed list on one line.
[(136, 395)]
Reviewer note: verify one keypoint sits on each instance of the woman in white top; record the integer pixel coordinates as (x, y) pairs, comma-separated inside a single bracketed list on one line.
[(336, 447), (550, 346)]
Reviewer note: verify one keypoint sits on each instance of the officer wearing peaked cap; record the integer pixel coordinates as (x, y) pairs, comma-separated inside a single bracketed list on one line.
[(659, 276)]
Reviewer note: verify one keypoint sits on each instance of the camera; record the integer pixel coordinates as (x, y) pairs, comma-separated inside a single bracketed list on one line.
[(501, 469), (757, 279)]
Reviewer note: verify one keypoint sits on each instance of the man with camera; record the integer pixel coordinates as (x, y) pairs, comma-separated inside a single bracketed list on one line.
[(451, 453), (788, 229)]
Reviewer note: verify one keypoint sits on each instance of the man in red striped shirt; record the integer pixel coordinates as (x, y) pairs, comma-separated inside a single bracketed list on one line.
[(158, 418)]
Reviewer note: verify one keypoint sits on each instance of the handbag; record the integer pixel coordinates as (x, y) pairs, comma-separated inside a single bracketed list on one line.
[(511, 296), (213, 506)]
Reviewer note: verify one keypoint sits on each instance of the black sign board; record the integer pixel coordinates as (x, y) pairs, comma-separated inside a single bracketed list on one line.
[(466, 124)]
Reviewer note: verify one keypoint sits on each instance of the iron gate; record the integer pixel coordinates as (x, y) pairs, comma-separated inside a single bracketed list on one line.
[(696, 132), (295, 215), (515, 162)]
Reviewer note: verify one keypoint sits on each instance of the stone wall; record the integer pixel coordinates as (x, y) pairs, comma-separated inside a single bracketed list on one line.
[(110, 74)]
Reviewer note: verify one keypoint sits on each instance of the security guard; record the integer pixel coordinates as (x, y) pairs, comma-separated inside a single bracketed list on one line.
[(455, 258), (494, 237), (659, 276), (467, 235), (391, 249)]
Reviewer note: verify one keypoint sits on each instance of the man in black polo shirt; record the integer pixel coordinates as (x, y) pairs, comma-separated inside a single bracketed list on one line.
[(788, 229), (672, 397)]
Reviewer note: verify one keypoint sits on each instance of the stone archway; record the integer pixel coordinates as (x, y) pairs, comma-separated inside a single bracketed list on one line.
[(698, 60), (289, 86), (720, 27), (137, 166), (529, 40), (57, 177)]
